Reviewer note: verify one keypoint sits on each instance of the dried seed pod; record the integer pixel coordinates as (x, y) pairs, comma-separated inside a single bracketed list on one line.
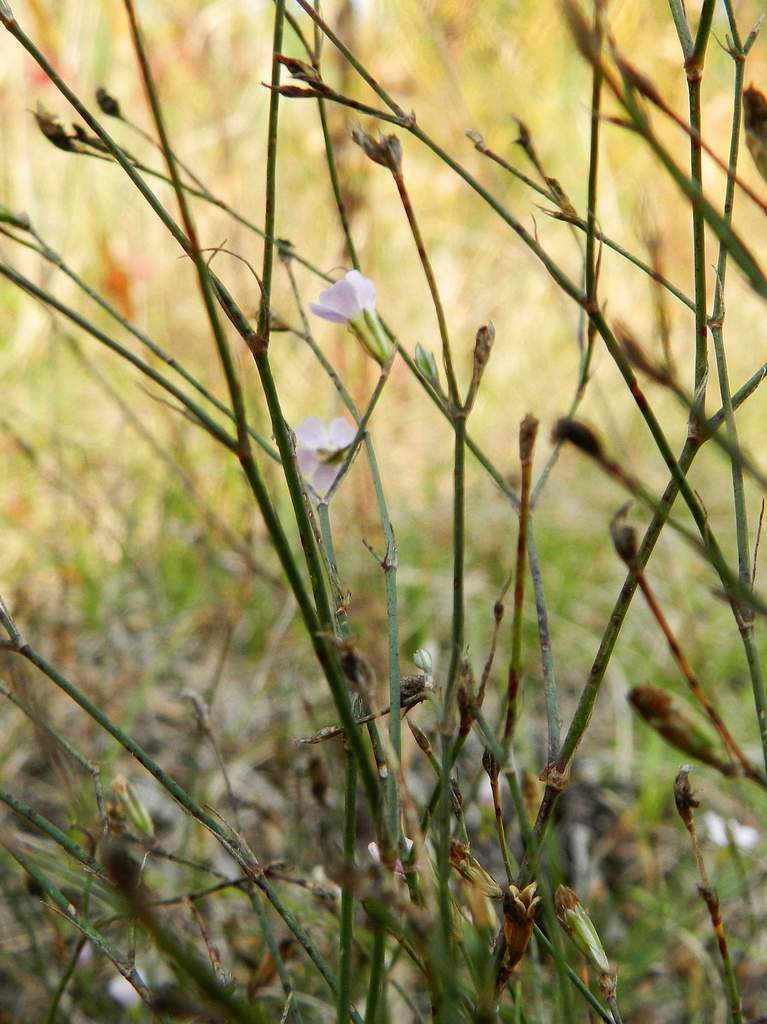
[(671, 720), (577, 434), (470, 869), (520, 909), (755, 122), (107, 103), (386, 150)]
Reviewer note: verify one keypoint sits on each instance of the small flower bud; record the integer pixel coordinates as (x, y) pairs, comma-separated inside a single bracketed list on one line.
[(470, 869), (427, 365), (107, 103), (683, 798), (528, 431), (53, 129), (624, 537), (386, 150), (577, 434), (490, 764), (133, 806), (483, 345), (422, 659), (421, 738), (579, 926), (755, 122)]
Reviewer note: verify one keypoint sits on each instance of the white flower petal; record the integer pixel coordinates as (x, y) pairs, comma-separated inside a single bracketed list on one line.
[(327, 314), (364, 289), (311, 433), (340, 299), (323, 478), (122, 992), (308, 461), (340, 434)]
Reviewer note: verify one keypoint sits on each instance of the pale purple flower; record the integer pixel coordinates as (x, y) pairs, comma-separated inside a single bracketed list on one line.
[(352, 301), (320, 450), (346, 299), (122, 992), (744, 837)]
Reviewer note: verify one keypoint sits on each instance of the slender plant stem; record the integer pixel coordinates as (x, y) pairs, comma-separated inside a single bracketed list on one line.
[(375, 982), (447, 355), (347, 894)]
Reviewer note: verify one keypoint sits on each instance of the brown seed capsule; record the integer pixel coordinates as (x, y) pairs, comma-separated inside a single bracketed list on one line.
[(107, 103), (386, 150), (520, 909), (671, 720), (755, 123), (578, 434)]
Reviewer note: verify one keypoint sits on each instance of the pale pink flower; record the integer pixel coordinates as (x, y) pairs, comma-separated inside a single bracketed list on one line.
[(122, 992), (346, 299), (320, 450), (352, 301)]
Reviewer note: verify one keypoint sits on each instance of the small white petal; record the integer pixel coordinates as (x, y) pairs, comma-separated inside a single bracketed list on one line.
[(340, 299), (364, 289), (340, 434), (311, 433), (323, 478), (122, 992), (373, 851), (327, 314), (308, 461)]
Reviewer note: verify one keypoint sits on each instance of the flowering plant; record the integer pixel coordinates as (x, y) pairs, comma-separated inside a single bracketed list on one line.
[(320, 450), (352, 301)]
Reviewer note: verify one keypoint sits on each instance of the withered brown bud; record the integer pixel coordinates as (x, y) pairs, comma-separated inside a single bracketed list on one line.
[(53, 129), (469, 868), (528, 431), (490, 764), (483, 344), (299, 69), (520, 909), (671, 720), (107, 103), (683, 798), (624, 537), (420, 737), (577, 434), (386, 151), (755, 123)]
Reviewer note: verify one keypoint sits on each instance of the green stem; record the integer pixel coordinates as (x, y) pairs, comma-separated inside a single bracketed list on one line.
[(376, 976), (345, 959)]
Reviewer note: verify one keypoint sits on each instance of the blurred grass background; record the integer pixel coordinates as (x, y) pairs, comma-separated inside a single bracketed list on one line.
[(108, 560)]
